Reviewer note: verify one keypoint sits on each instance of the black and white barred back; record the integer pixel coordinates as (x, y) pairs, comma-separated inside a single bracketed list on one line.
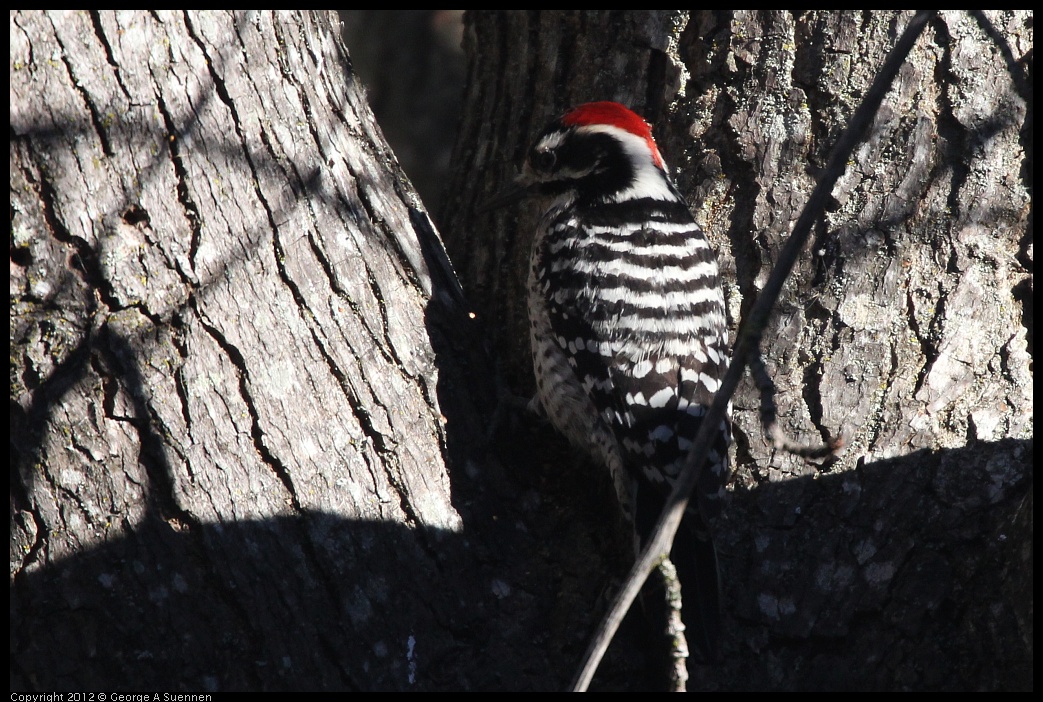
[(628, 327)]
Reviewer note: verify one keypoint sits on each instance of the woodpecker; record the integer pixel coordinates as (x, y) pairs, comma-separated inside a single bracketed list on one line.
[(628, 328)]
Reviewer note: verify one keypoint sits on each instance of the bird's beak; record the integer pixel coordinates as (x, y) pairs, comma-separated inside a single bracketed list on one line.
[(519, 190)]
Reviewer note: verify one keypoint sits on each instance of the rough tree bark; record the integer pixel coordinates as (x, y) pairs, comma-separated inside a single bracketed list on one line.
[(905, 562), (234, 343)]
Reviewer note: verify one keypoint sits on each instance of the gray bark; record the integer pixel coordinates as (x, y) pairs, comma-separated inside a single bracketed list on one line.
[(231, 325), (906, 330)]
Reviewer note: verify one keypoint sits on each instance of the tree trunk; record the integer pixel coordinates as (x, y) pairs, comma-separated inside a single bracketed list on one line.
[(904, 562), (237, 351)]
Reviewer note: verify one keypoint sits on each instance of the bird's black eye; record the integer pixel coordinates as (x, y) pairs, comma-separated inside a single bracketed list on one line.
[(543, 161)]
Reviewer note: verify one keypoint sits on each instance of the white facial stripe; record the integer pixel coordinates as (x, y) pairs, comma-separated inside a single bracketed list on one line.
[(650, 181)]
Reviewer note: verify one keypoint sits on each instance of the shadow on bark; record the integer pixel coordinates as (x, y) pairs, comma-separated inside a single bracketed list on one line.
[(914, 573)]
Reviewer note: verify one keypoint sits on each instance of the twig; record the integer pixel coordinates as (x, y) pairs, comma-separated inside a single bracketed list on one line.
[(658, 546), (678, 675)]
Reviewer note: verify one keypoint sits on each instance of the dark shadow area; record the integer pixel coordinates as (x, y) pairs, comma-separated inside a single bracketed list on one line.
[(412, 63), (909, 573), (913, 573), (239, 607)]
